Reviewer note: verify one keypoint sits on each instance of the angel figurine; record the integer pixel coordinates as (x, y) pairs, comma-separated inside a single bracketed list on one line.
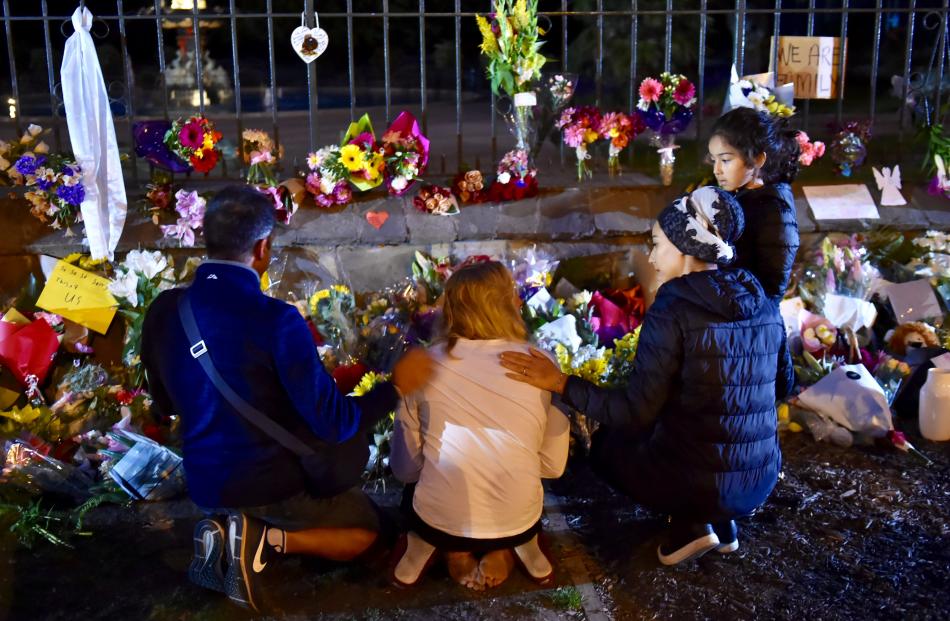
[(889, 183)]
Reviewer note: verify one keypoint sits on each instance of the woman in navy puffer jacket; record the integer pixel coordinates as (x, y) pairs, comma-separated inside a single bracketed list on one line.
[(693, 434)]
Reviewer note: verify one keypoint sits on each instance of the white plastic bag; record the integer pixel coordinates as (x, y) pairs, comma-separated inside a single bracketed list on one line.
[(851, 397)]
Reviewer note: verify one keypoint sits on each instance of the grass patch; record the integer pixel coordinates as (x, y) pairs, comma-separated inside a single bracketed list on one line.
[(567, 598)]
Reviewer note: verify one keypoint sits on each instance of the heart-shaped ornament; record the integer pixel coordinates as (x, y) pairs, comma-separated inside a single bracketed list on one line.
[(309, 43), (377, 218)]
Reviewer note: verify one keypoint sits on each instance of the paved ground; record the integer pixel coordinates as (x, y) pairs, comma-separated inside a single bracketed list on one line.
[(860, 533)]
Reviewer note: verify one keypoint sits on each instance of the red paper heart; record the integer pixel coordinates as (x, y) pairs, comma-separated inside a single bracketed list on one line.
[(377, 218)]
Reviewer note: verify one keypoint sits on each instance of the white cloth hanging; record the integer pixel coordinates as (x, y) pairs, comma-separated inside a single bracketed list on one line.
[(92, 134)]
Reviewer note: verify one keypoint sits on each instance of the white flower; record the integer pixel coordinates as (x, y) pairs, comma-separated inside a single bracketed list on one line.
[(399, 184), (26, 138), (41, 148), (125, 287), (326, 185), (150, 264), (4, 163), (504, 178), (34, 130)]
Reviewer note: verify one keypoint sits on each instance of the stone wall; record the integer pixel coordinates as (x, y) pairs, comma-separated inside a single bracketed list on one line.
[(610, 222)]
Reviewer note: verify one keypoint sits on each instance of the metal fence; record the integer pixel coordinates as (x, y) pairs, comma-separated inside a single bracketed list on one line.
[(232, 60)]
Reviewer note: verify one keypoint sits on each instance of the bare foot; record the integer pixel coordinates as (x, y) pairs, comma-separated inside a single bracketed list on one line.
[(495, 567), (463, 567)]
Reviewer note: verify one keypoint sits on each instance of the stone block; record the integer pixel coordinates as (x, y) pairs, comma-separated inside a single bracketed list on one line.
[(429, 229), (806, 224), (326, 228), (626, 210), (496, 249), (904, 217), (392, 231), (517, 219), (369, 269), (565, 215), (477, 221)]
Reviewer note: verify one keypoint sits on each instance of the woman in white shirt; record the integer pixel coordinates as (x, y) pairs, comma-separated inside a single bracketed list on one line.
[(476, 444)]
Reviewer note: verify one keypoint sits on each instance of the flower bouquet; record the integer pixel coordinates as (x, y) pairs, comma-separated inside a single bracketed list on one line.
[(261, 155), (557, 93), (138, 281), (359, 154), (581, 127), (809, 151), (332, 311), (469, 187), (328, 178), (30, 143), (190, 207), (619, 129), (194, 140), (436, 200), (510, 41), (760, 93), (55, 188), (666, 106), (406, 153), (516, 179)]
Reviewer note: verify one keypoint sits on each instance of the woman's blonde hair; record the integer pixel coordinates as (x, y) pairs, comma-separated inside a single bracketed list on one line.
[(479, 304)]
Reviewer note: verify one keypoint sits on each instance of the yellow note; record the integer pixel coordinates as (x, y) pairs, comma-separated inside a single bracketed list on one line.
[(15, 317), (79, 296)]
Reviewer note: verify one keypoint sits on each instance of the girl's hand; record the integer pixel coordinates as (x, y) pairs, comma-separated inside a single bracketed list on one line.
[(535, 369)]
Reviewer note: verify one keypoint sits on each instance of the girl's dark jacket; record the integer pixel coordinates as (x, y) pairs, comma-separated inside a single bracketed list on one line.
[(694, 431), (768, 246)]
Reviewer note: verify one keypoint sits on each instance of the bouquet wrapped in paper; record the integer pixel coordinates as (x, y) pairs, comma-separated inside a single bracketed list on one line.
[(406, 152)]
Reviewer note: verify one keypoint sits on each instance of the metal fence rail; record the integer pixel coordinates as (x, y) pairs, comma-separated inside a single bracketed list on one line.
[(422, 55)]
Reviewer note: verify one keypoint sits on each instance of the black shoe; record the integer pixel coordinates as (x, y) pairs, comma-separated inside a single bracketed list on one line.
[(728, 534), (207, 566), (686, 542), (249, 554)]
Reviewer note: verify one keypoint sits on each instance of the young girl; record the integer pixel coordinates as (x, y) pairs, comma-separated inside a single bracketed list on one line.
[(693, 434), (477, 444), (756, 159)]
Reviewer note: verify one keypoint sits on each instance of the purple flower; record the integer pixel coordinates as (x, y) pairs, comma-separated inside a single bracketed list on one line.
[(28, 164), (72, 194)]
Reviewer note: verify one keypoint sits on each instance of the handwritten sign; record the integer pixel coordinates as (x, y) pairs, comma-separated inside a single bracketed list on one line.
[(850, 201), (811, 64), (79, 296)]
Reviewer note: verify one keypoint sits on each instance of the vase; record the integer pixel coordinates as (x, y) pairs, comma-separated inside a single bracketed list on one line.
[(934, 412), (521, 123), (665, 148)]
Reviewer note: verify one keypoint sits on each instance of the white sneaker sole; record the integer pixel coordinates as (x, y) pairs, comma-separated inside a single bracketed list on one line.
[(728, 548), (689, 552)]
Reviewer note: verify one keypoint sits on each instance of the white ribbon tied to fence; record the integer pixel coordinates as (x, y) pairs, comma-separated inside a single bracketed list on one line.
[(92, 134)]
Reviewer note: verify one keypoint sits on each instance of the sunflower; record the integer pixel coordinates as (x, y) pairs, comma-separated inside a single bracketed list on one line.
[(353, 158)]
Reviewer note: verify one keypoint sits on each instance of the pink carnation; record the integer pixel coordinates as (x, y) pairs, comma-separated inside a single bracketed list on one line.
[(650, 90)]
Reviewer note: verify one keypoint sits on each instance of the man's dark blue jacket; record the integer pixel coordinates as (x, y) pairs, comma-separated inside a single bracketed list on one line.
[(694, 432), (263, 349)]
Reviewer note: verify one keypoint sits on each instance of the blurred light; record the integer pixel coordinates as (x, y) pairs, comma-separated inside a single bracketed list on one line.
[(12, 102), (188, 5)]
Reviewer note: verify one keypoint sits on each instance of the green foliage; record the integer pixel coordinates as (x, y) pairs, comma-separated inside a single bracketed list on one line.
[(567, 598)]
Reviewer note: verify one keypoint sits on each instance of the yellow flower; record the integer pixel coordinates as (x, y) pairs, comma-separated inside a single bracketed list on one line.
[(590, 136), (353, 157), (489, 44), (783, 413), (208, 143), (367, 382), (341, 289)]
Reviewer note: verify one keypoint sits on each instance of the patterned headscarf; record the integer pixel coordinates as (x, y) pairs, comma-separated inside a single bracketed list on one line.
[(704, 224)]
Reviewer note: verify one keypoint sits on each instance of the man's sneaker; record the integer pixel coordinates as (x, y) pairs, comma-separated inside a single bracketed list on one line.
[(207, 566), (686, 542), (728, 534), (248, 554)]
